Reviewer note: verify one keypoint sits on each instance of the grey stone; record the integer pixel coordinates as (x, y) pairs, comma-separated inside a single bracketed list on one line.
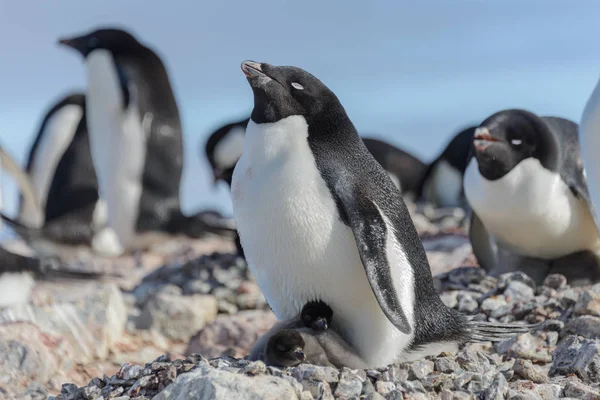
[(196, 286), (315, 372), (497, 390), (587, 363), (548, 391), (527, 370), (581, 391), (450, 299), (519, 291), (177, 317), (205, 382), (374, 396), (420, 369), (466, 303), (446, 365), (588, 303), (384, 388), (586, 325), (507, 278), (254, 368), (349, 386), (493, 303), (319, 390)]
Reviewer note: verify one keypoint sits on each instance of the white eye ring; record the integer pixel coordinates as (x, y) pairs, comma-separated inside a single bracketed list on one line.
[(297, 86), (516, 142)]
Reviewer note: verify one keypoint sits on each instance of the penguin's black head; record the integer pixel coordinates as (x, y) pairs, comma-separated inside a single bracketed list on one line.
[(223, 148), (316, 315), (286, 348), (116, 41), (508, 137), (280, 92)]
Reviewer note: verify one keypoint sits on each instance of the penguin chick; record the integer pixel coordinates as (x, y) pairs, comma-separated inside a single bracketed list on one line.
[(316, 315)]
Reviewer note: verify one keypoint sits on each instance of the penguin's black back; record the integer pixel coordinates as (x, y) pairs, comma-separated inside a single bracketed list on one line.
[(408, 168)]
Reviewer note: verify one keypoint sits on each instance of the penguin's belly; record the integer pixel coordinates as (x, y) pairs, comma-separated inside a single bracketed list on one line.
[(118, 145), (531, 211), (299, 250)]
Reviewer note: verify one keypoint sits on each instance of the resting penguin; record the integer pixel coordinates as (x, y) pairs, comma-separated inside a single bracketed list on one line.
[(136, 140), (442, 182), (527, 190), (68, 216), (333, 225), (589, 136)]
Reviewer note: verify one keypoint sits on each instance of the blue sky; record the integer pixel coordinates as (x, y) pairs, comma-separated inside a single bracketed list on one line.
[(410, 73)]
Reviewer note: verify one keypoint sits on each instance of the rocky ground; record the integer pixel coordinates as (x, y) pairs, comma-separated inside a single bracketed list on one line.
[(195, 310)]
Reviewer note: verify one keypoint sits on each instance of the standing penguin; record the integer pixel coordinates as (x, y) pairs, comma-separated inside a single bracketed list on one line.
[(333, 225), (69, 216), (527, 190), (589, 136), (136, 139), (442, 183)]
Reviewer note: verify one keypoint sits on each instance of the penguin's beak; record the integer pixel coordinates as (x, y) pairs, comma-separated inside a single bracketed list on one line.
[(69, 42), (252, 69), (483, 139), (321, 324), (299, 354)]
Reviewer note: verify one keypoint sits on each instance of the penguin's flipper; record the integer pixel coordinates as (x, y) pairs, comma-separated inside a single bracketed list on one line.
[(484, 247), (22, 179), (371, 235)]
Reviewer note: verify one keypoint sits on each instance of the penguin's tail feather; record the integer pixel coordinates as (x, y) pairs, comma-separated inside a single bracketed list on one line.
[(483, 331)]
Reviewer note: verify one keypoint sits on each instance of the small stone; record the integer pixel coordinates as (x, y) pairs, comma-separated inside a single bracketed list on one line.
[(315, 372), (569, 297), (492, 303), (91, 393), (506, 279), (587, 326), (450, 299), (497, 390), (548, 391), (349, 386), (469, 360), (374, 396), (177, 317), (467, 304), (446, 365), (588, 304), (462, 380), (420, 369), (196, 286), (255, 368), (527, 370), (519, 291), (384, 388), (226, 307), (555, 281), (552, 325), (581, 391)]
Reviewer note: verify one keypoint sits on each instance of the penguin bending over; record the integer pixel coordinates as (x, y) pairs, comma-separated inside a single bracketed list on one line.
[(18, 272), (136, 140), (527, 189), (442, 182), (68, 215), (335, 227)]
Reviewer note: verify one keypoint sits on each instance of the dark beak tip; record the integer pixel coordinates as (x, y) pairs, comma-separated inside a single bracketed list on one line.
[(300, 355)]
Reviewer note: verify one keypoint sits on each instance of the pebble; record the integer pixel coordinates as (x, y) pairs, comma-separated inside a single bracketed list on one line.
[(527, 370), (586, 325), (555, 281), (467, 304), (519, 291)]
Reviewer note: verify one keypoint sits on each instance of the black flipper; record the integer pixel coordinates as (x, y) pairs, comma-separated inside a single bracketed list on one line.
[(370, 233)]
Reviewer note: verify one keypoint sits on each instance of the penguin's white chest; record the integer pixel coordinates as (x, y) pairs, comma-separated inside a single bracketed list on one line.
[(296, 245), (531, 211), (118, 143)]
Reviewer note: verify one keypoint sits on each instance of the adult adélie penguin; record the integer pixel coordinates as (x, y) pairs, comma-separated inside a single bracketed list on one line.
[(334, 226), (136, 139)]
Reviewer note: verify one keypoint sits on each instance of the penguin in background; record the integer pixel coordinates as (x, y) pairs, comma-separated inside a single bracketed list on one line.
[(136, 140), (68, 218), (589, 137), (527, 189), (338, 232), (442, 182), (18, 272)]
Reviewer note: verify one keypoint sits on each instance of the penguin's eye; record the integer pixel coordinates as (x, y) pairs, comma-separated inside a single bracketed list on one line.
[(297, 86), (516, 142), (281, 347), (93, 42)]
